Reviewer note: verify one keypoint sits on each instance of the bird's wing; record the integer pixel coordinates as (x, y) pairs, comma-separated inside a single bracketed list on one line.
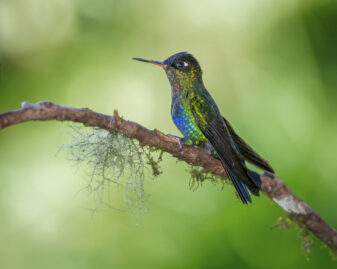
[(211, 123), (247, 152)]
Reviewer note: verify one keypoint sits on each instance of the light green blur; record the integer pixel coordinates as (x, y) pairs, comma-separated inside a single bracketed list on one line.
[(270, 65)]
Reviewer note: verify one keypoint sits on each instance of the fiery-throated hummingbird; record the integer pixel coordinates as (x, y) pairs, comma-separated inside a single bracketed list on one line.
[(198, 118)]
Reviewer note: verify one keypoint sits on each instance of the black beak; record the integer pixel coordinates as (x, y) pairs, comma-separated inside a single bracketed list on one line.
[(161, 64)]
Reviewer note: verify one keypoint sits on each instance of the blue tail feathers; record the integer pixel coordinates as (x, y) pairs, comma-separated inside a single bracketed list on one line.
[(241, 189), (255, 177)]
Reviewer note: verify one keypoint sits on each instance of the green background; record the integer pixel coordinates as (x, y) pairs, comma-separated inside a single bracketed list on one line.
[(270, 65)]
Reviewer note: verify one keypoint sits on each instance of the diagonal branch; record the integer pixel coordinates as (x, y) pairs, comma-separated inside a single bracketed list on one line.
[(272, 186)]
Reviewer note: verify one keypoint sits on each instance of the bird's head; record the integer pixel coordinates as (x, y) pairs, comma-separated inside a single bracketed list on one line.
[(182, 70)]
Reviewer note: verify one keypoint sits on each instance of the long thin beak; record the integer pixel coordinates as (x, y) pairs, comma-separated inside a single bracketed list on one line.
[(161, 64)]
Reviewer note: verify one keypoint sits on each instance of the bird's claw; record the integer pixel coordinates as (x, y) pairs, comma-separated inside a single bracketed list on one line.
[(179, 141)]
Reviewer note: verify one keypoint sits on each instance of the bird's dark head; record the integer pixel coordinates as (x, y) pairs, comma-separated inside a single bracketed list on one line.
[(182, 69)]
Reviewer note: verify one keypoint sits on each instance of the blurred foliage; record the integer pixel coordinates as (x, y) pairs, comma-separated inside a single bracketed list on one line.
[(271, 67)]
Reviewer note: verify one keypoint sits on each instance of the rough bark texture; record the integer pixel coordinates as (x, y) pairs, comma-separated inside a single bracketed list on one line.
[(272, 186)]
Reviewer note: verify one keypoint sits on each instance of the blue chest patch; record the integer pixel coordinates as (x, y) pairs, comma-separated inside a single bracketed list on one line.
[(184, 120)]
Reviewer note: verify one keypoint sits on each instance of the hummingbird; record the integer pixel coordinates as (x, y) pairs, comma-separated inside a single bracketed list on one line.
[(198, 118)]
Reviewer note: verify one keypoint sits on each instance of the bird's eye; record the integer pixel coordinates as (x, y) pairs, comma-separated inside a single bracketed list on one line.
[(182, 65)]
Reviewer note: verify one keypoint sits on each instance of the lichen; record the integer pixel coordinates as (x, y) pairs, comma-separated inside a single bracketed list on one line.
[(289, 204), (113, 160)]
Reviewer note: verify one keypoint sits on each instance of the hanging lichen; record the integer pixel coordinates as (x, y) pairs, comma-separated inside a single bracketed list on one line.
[(114, 161)]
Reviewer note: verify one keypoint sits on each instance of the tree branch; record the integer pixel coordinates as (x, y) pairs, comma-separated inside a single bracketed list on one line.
[(272, 186)]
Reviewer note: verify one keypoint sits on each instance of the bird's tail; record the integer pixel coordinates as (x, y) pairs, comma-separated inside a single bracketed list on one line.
[(241, 188), (255, 177)]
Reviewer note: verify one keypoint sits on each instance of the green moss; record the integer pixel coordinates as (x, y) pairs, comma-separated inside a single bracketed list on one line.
[(199, 175), (283, 222), (286, 221), (152, 161), (333, 254), (307, 242)]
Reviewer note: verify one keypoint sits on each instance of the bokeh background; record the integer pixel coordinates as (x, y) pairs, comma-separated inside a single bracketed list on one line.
[(270, 65)]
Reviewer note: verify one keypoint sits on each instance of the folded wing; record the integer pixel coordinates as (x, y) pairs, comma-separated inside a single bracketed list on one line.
[(213, 126), (247, 152)]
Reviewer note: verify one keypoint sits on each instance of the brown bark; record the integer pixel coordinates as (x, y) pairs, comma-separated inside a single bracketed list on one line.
[(272, 186)]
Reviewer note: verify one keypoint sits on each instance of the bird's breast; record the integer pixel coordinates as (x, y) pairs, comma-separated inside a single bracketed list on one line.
[(183, 118)]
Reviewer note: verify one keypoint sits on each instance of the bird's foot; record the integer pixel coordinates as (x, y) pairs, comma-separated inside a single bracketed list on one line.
[(208, 148), (180, 140)]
